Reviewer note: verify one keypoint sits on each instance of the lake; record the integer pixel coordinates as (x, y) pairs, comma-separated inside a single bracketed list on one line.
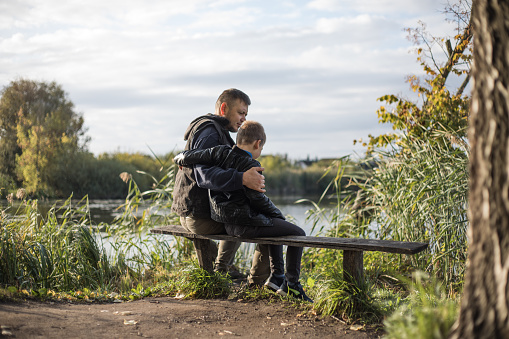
[(105, 210)]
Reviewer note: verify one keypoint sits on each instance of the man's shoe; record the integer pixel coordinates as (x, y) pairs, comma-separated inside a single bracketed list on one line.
[(235, 273), (293, 289), (274, 282)]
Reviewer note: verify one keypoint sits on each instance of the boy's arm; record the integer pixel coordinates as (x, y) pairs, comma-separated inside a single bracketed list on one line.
[(214, 156), (213, 177), (261, 203)]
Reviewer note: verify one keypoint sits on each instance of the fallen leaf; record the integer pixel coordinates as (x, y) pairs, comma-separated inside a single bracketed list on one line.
[(180, 296), (130, 322), (226, 332), (6, 333), (356, 327)]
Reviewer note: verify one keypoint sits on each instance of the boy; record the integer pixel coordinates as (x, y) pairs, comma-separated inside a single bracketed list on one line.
[(250, 214)]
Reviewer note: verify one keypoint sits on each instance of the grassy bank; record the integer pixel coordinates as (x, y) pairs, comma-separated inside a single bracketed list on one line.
[(418, 195)]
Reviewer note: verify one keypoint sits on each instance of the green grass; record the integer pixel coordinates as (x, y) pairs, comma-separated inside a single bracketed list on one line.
[(338, 297), (428, 312), (415, 195), (196, 283)]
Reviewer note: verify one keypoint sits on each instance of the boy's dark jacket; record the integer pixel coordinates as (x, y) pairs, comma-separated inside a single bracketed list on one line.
[(244, 207)]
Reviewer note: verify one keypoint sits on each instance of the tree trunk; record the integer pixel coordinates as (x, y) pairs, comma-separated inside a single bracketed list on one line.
[(485, 306)]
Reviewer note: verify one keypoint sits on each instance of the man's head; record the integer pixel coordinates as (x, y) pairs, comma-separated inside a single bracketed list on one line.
[(233, 105), (251, 137)]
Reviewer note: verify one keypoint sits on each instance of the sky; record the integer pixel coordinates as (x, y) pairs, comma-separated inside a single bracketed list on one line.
[(140, 71)]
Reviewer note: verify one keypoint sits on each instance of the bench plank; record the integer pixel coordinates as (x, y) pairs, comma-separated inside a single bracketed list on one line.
[(349, 244)]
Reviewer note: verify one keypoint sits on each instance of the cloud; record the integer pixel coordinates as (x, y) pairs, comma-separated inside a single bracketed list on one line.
[(376, 6), (140, 73)]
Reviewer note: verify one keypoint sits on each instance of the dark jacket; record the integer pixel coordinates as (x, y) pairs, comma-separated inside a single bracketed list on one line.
[(188, 197), (245, 206)]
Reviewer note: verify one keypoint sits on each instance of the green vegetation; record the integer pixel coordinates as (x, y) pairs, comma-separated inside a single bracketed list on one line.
[(416, 190), (287, 178), (64, 252), (440, 106), (38, 126), (429, 311), (44, 149), (413, 190)]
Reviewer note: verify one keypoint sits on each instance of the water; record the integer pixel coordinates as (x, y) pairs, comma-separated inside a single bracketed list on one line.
[(106, 210)]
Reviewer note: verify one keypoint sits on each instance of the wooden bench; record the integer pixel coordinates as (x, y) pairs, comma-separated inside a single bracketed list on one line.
[(353, 248)]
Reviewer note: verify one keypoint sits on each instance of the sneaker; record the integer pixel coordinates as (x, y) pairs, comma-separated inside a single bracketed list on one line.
[(293, 289), (274, 282)]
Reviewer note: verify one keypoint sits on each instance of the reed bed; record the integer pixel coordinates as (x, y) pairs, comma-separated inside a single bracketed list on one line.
[(416, 191), (64, 251), (420, 194)]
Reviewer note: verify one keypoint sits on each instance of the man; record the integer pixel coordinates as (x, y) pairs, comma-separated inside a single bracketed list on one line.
[(190, 196)]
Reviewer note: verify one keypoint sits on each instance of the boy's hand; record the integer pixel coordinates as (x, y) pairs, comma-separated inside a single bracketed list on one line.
[(254, 180)]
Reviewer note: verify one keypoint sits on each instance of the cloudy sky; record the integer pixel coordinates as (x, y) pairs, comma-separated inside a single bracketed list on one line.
[(140, 71)]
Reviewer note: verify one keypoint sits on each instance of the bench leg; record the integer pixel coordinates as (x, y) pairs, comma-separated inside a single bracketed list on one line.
[(203, 252), (353, 268)]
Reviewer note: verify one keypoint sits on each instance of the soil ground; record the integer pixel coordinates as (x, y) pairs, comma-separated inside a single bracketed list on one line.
[(167, 317)]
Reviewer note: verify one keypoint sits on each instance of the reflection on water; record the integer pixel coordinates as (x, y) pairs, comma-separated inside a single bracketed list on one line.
[(106, 210)]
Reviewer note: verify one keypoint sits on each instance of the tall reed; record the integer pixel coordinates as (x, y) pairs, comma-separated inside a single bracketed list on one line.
[(416, 191), (63, 250), (58, 250), (420, 194)]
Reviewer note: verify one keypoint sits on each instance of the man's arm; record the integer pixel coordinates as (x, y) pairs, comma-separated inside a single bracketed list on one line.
[(254, 180)]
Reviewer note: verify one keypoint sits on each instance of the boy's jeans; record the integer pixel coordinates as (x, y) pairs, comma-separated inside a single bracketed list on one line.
[(280, 227)]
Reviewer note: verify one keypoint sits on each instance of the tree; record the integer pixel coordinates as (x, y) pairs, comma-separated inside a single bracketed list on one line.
[(485, 303), (442, 108), (38, 126)]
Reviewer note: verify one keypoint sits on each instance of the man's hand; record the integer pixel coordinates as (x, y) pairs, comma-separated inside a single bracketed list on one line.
[(254, 180)]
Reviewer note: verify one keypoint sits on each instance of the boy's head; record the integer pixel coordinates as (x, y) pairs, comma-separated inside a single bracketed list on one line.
[(251, 137)]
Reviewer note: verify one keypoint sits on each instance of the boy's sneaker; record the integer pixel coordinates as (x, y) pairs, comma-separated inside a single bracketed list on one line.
[(293, 289), (274, 282)]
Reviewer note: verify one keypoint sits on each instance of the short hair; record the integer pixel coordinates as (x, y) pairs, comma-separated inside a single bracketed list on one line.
[(249, 132), (229, 96)]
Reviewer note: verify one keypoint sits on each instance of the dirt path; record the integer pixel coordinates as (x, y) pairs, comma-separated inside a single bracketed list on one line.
[(166, 317)]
